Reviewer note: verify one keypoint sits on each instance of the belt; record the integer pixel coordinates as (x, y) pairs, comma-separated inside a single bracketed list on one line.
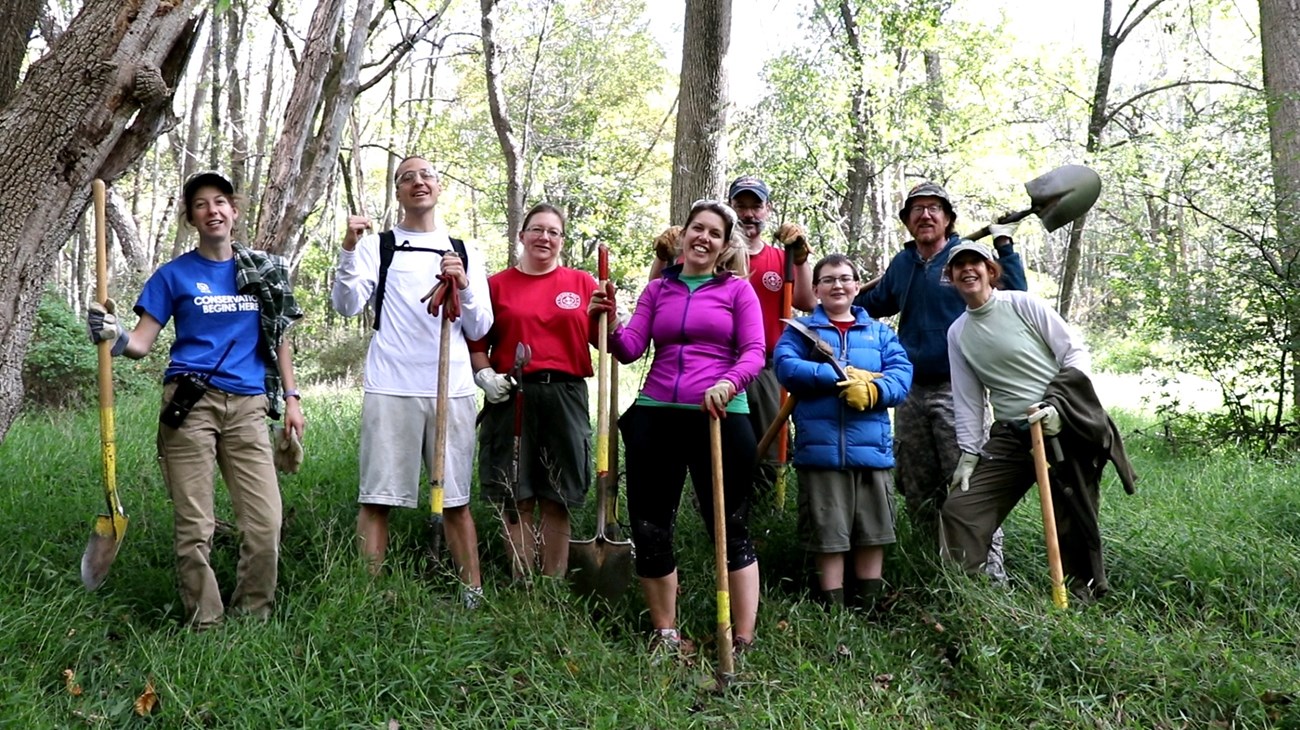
[(551, 376)]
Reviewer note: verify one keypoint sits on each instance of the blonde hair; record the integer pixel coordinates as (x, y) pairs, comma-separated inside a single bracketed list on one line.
[(734, 256)]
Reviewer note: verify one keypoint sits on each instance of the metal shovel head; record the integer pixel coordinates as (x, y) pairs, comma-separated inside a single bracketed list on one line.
[(101, 550), (1064, 194), (600, 568)]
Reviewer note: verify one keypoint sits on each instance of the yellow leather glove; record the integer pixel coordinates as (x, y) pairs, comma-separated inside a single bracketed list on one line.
[(859, 395), (865, 376), (791, 236)]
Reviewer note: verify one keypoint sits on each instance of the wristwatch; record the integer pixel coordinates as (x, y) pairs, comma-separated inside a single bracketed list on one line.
[(292, 393)]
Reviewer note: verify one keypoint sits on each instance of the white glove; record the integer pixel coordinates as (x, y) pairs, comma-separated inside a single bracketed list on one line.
[(1048, 415), (496, 386), (965, 467), (1000, 230), (103, 326)]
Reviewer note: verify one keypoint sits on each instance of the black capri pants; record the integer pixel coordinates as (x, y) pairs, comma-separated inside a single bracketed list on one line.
[(660, 445)]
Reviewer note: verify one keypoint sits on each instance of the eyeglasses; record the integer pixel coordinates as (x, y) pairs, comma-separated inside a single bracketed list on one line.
[(842, 280), (410, 176), (932, 209), (549, 232)]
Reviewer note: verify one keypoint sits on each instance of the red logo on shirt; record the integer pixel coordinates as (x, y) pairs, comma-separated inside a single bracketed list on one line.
[(772, 280), (568, 300)]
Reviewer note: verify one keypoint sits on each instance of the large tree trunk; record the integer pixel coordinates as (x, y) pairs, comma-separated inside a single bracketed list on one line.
[(1279, 23), (113, 71), (699, 151)]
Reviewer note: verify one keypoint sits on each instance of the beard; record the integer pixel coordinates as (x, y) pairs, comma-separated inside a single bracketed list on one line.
[(756, 223)]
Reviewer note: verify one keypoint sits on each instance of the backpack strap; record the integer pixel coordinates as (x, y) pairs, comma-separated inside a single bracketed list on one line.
[(387, 248)]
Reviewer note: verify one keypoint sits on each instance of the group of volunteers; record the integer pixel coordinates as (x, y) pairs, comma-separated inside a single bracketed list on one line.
[(969, 340)]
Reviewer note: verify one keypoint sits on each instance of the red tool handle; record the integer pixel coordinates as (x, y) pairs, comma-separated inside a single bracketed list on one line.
[(602, 262)]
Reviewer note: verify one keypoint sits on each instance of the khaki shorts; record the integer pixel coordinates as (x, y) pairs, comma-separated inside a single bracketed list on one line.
[(397, 434), (841, 510)]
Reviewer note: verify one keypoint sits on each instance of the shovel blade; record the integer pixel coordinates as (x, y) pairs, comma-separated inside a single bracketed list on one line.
[(600, 569), (1064, 194), (102, 549)]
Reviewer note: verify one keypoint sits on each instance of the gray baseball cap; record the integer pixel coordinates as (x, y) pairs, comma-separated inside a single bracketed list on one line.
[(927, 190)]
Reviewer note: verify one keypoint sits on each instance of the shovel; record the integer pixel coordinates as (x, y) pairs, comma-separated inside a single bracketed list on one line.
[(109, 528), (1056, 197), (1049, 514), (521, 540), (600, 566)]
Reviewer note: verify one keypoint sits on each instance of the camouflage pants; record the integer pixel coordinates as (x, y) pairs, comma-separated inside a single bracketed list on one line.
[(925, 454)]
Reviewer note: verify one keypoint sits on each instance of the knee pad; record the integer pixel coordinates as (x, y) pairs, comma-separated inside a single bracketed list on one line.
[(654, 549)]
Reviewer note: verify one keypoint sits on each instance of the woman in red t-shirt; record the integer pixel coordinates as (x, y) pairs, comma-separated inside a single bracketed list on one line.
[(543, 305)]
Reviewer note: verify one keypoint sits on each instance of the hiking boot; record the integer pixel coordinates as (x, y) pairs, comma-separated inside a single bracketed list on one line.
[(995, 566), (668, 645)]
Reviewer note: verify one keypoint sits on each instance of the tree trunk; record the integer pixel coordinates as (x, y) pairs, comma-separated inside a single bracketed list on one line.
[(187, 151), (238, 169), (17, 20), (122, 224), (113, 72), (699, 151), (510, 147), (1279, 22)]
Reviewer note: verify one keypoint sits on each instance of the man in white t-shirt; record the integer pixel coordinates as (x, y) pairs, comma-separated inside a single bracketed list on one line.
[(400, 377)]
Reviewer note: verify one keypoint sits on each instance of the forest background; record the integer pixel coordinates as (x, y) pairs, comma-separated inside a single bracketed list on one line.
[(1180, 268)]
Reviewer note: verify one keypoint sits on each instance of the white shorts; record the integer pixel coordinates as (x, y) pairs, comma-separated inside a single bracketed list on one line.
[(397, 433)]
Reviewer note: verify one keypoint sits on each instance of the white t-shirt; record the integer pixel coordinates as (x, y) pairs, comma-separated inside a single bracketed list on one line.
[(403, 355)]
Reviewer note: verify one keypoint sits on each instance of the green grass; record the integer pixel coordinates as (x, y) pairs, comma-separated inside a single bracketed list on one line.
[(1200, 630)]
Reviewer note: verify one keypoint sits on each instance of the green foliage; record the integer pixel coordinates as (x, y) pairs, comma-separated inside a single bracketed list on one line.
[(60, 368), (1199, 630)]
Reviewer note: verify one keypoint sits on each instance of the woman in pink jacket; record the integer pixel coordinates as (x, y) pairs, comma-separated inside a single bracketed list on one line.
[(703, 319)]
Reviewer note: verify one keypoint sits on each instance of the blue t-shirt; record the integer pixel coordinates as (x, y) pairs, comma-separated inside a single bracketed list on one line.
[(210, 313)]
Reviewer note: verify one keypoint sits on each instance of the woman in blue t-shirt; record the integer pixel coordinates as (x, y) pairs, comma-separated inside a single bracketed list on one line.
[(229, 364)]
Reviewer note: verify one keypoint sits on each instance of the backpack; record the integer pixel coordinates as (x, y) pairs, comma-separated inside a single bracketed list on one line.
[(387, 247)]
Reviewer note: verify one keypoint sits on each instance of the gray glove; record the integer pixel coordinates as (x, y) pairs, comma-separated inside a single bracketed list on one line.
[(1048, 415), (496, 386), (965, 467), (103, 326)]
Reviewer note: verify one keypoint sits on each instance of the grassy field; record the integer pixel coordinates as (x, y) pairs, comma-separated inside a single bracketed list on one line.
[(1201, 630)]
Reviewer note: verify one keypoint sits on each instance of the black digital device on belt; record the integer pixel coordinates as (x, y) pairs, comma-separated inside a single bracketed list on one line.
[(190, 388)]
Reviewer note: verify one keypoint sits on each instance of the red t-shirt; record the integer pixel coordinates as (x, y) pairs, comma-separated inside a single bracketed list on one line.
[(547, 312), (766, 275)]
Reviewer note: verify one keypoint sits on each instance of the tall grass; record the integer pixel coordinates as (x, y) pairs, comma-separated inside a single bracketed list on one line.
[(1200, 630)]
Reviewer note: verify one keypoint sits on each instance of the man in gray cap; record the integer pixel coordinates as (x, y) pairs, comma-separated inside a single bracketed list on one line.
[(925, 436)]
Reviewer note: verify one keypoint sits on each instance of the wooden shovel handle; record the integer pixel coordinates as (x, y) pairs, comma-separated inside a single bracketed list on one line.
[(1049, 515), (774, 428), (726, 666)]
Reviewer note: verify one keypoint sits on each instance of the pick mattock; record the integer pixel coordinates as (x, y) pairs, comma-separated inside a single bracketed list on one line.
[(110, 528), (1049, 514), (726, 662)]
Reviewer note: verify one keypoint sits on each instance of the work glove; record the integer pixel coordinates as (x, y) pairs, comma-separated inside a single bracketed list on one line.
[(103, 326), (792, 237), (496, 386), (1001, 230), (604, 302), (865, 376), (1048, 415), (286, 450), (717, 397), (965, 467), (859, 394), (666, 244)]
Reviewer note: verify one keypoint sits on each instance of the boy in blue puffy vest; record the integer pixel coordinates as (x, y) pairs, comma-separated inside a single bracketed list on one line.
[(843, 449)]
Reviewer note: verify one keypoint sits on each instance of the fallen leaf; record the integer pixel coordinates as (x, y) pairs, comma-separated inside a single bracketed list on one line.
[(147, 702), (883, 680), (72, 632), (844, 650), (1271, 697), (572, 667), (70, 681), (783, 625)]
